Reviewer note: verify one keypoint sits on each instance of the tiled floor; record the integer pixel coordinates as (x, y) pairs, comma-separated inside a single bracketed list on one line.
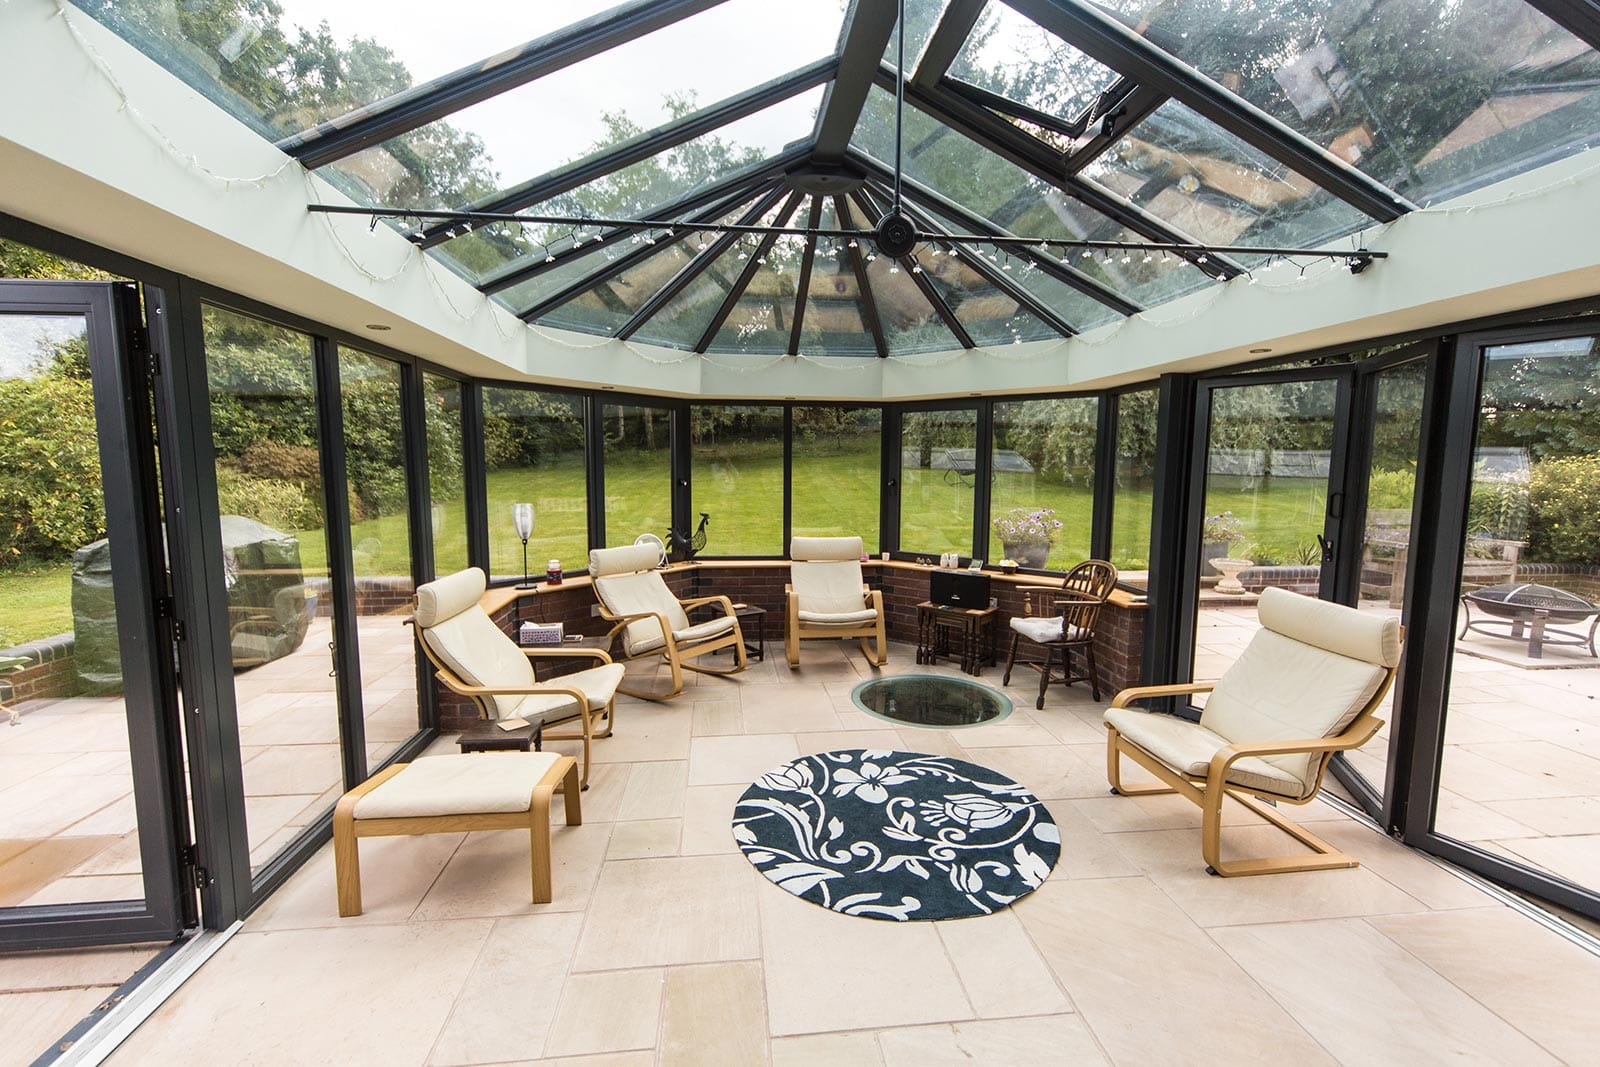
[(45, 994), (1521, 768), (664, 946), (69, 830)]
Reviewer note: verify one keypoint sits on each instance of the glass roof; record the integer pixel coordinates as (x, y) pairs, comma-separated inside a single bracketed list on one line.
[(714, 112)]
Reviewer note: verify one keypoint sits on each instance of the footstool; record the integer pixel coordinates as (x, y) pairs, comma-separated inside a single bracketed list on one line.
[(449, 794)]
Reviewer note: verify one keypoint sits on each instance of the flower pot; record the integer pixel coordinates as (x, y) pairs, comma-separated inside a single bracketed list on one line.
[(1034, 555), (1230, 569)]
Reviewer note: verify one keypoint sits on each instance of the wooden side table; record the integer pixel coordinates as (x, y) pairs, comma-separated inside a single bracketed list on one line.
[(749, 615), (486, 736), (973, 628)]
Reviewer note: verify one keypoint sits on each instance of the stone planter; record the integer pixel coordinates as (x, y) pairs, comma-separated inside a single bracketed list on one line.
[(1230, 569), (1033, 555)]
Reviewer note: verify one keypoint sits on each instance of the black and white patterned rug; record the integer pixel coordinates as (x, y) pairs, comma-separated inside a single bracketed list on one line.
[(896, 835)]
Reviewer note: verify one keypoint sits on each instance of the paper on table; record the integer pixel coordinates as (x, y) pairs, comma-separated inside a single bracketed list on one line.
[(512, 724)]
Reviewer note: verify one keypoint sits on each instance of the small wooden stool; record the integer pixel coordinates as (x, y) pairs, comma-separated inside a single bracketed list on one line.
[(449, 794)]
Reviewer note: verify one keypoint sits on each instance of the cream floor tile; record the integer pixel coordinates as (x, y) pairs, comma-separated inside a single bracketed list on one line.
[(932, 742), (306, 997), (491, 874), (999, 968), (710, 720), (293, 769), (508, 1001), (647, 735), (643, 838), (645, 1058), (1172, 860), (78, 889), (1390, 1006), (32, 1021), (1085, 851), (1576, 859), (396, 873), (825, 971), (602, 801), (24, 971), (1109, 940), (1402, 867), (1047, 771), (653, 912), (713, 1013), (830, 740), (724, 760), (1039, 1042), (1479, 778), (608, 1012), (655, 791), (1471, 821), (832, 1050), (708, 819), (1556, 816), (1535, 979), (1006, 734)]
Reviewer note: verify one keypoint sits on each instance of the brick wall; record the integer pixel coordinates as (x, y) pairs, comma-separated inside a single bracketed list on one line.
[(49, 674)]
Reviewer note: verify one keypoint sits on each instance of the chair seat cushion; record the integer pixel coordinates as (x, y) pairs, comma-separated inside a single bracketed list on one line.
[(1045, 630), (1187, 747), (837, 618), (459, 785), (598, 685), (704, 631)]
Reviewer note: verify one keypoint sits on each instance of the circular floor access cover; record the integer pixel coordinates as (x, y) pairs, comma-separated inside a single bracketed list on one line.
[(933, 700)]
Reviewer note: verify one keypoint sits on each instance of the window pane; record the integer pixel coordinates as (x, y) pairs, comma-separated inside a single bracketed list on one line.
[(69, 832), (1043, 464), (1214, 187), (638, 469), (836, 457), (1519, 777), (533, 454), (380, 538), (1136, 469), (275, 554), (835, 322), (983, 182), (1427, 97), (737, 472), (1009, 54), (441, 405), (909, 322), (938, 468)]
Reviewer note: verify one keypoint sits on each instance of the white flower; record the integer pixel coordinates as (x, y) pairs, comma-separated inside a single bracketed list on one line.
[(965, 879), (869, 784), (794, 777), (968, 809)]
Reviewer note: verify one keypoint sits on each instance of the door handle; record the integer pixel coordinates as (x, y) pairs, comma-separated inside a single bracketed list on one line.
[(1336, 505), (1327, 546)]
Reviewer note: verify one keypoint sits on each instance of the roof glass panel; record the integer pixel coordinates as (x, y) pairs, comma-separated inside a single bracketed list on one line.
[(1430, 98), (559, 276), (921, 18), (761, 320), (606, 306), (281, 73), (634, 191), (1200, 179), (1011, 55), (963, 171), (683, 320), (910, 323), (835, 322)]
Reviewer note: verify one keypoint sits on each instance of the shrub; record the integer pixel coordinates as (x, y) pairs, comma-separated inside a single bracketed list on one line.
[(1564, 524), (1499, 509), (282, 504), (291, 463), (1391, 490), (50, 486)]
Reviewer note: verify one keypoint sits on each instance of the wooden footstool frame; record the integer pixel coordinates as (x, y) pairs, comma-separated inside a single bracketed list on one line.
[(347, 829)]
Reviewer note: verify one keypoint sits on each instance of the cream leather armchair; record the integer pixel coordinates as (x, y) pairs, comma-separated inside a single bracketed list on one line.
[(1306, 686), (827, 598)]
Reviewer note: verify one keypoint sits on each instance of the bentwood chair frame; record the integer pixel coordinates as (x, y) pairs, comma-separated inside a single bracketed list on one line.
[(1076, 602)]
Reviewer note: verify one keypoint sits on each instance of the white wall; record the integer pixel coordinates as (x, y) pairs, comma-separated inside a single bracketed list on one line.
[(101, 143)]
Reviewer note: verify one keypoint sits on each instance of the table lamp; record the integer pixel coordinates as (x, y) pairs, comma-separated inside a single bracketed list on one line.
[(522, 519)]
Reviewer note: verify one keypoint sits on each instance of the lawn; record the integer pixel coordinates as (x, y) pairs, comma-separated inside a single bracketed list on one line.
[(835, 492)]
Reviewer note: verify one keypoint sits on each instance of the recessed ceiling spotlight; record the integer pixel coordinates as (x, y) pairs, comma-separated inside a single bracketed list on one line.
[(1259, 351), (378, 327)]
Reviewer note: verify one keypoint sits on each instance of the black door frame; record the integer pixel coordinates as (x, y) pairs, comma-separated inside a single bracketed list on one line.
[(124, 414)]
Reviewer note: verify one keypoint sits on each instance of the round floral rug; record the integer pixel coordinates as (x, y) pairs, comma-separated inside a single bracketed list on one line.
[(896, 835)]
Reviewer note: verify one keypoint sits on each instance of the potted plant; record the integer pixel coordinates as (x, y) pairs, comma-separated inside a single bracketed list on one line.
[(1217, 535), (1027, 534)]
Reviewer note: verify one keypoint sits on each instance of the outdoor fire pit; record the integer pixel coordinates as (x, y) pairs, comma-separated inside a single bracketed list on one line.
[(1524, 611)]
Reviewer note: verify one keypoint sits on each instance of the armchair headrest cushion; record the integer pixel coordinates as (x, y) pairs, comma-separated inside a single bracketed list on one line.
[(445, 598), (627, 559), (1363, 635), (825, 548)]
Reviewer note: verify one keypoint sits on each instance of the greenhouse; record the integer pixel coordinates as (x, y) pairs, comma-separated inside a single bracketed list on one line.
[(1000, 531)]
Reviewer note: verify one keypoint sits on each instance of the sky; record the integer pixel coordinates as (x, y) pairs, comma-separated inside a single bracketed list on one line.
[(732, 47)]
